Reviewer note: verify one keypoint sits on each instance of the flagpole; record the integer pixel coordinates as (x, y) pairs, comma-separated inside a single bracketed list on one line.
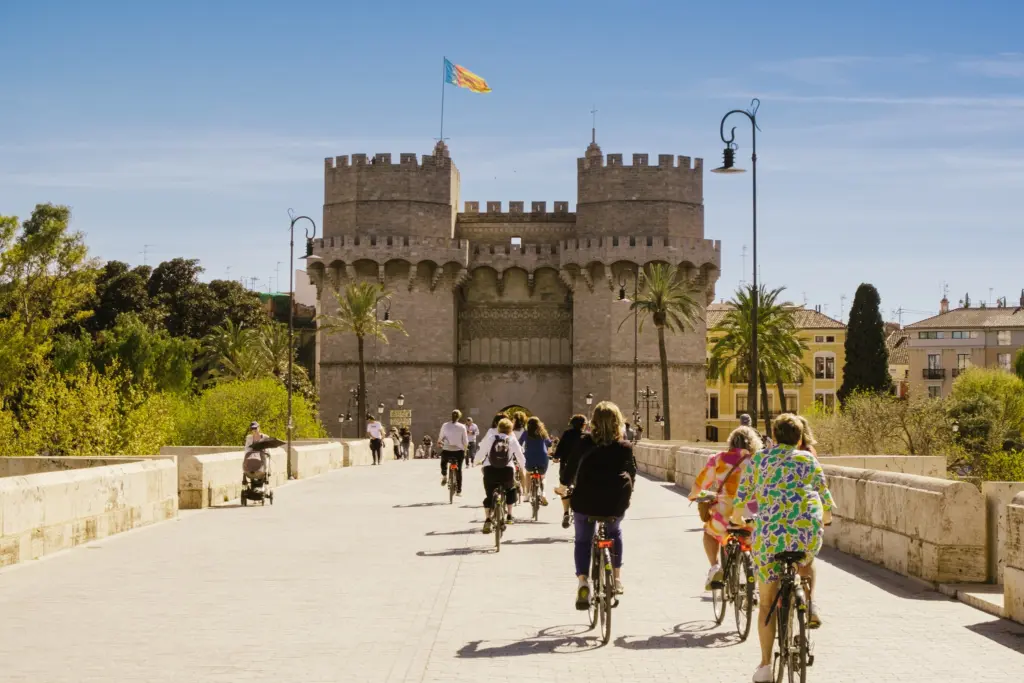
[(444, 75)]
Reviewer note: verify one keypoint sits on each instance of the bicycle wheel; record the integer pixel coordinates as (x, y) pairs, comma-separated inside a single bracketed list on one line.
[(743, 598), (798, 643), (451, 486), (718, 600), (783, 618), (498, 517), (535, 499), (607, 595), (593, 611)]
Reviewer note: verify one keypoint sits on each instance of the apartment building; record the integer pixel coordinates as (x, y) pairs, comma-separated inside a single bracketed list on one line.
[(825, 357), (943, 346), (897, 343)]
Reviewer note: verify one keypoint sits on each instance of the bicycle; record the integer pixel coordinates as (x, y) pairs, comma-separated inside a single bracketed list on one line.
[(453, 487), (498, 516), (791, 610), (535, 482), (602, 594), (738, 582)]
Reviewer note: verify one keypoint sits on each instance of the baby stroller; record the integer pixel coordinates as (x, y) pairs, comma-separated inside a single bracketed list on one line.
[(256, 472)]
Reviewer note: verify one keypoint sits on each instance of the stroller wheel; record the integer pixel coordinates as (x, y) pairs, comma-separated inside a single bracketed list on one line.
[(243, 499), (271, 497)]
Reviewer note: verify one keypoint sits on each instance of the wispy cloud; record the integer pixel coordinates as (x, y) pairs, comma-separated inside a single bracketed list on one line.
[(835, 69), (1006, 65), (990, 102)]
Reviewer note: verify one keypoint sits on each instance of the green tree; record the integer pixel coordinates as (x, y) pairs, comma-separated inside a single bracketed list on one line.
[(867, 358), (237, 304), (153, 358), (121, 289), (1018, 364), (988, 407), (357, 315), (45, 278), (779, 347), (667, 299)]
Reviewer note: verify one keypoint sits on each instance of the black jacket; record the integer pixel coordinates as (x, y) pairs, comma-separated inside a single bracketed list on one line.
[(601, 490), (564, 453)]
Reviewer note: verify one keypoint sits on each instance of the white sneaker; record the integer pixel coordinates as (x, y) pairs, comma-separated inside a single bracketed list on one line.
[(714, 575), (763, 674)]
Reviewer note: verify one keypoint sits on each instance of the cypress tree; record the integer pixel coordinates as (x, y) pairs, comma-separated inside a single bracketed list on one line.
[(867, 359)]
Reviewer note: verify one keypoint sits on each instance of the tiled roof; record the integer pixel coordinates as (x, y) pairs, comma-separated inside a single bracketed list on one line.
[(899, 353), (806, 318), (1001, 318)]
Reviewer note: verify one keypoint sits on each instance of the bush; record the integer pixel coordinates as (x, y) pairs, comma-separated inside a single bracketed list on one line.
[(221, 415), (989, 404)]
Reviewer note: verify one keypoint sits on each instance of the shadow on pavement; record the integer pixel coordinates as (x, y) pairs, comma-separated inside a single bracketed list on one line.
[(880, 577), (687, 634), (1002, 631), (464, 532), (539, 541), (564, 640), (452, 552), (421, 505)]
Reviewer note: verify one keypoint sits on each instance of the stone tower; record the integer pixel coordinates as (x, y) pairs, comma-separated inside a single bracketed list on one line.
[(516, 307)]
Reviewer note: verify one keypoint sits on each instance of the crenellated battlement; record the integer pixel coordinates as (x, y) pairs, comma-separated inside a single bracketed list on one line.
[(383, 162), (593, 162), (699, 253), (516, 208)]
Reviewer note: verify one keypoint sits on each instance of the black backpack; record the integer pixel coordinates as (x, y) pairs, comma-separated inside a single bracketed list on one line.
[(499, 455)]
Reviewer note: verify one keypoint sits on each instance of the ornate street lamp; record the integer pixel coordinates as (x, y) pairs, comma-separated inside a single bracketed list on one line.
[(729, 166), (590, 400), (636, 333), (310, 256), (401, 400), (380, 408)]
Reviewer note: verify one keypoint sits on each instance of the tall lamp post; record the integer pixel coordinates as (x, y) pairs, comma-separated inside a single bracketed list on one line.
[(649, 396), (729, 166), (291, 316), (636, 337)]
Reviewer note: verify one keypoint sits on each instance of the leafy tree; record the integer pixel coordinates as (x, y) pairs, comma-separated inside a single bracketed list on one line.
[(174, 285), (45, 278), (357, 315), (867, 358), (1018, 364), (119, 290), (154, 359), (668, 300), (779, 347), (220, 415), (237, 304), (988, 407)]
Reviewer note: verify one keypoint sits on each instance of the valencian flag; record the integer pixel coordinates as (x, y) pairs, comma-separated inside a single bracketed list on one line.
[(464, 78)]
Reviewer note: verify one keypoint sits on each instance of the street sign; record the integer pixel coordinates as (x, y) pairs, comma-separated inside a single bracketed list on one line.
[(401, 418)]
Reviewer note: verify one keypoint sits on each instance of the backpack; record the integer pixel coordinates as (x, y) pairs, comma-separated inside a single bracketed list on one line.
[(499, 455)]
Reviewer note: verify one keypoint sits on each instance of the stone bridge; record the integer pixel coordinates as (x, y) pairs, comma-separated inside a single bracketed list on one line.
[(368, 574)]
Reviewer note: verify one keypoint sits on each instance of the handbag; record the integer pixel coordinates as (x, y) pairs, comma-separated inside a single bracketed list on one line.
[(704, 506)]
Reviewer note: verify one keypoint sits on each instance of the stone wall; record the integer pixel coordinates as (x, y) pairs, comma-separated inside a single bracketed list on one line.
[(1013, 571), (998, 496), (310, 460), (47, 512), (22, 466), (921, 465), (210, 479)]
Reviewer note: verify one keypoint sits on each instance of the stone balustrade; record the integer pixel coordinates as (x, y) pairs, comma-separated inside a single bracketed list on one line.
[(1013, 555), (46, 512)]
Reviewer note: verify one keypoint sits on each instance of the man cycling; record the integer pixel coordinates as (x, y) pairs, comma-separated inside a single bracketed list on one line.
[(501, 452), (453, 441), (472, 432)]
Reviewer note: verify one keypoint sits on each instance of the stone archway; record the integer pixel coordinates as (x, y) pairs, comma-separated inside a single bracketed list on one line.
[(508, 410)]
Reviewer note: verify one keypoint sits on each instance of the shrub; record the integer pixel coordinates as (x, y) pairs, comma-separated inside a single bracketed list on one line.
[(221, 415)]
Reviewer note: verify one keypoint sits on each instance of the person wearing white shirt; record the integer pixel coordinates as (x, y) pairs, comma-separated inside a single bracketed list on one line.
[(473, 432), (454, 441), (501, 452), (375, 430)]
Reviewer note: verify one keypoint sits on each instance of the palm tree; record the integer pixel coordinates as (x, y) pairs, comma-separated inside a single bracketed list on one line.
[(357, 314), (779, 352), (668, 299), (228, 351)]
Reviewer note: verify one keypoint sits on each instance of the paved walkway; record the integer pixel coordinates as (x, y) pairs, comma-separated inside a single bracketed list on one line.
[(366, 575)]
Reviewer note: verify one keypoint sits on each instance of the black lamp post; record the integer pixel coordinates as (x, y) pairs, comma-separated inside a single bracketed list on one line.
[(729, 166), (649, 396), (291, 315), (401, 400), (636, 332), (590, 399)]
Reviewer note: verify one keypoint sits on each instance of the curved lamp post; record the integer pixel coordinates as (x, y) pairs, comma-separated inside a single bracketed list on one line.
[(729, 166), (636, 333), (291, 316)]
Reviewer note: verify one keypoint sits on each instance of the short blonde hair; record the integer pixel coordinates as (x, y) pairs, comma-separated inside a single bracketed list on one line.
[(808, 437), (745, 438), (788, 429), (505, 426), (606, 423)]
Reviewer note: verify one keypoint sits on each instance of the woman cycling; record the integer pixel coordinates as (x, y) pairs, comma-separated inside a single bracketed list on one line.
[(794, 504), (603, 477), (721, 476), (536, 445)]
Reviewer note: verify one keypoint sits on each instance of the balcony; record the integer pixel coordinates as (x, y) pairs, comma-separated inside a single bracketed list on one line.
[(956, 372), (934, 373)]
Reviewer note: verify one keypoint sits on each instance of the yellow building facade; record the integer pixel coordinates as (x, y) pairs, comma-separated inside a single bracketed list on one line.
[(825, 357)]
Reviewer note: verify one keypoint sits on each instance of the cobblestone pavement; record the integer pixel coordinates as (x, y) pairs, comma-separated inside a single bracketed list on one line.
[(367, 574)]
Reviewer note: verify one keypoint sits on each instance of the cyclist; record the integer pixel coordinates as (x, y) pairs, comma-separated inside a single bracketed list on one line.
[(603, 484), (537, 443), (375, 432), (566, 462), (721, 476), (794, 505), (501, 450), (519, 426), (453, 442), (472, 433)]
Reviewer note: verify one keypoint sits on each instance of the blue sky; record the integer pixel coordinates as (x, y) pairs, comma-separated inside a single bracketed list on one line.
[(891, 150)]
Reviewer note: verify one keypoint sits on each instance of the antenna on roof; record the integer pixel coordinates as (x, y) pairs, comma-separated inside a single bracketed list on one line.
[(842, 307)]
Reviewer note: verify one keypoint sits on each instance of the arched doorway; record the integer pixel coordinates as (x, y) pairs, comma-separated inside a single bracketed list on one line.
[(508, 410)]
